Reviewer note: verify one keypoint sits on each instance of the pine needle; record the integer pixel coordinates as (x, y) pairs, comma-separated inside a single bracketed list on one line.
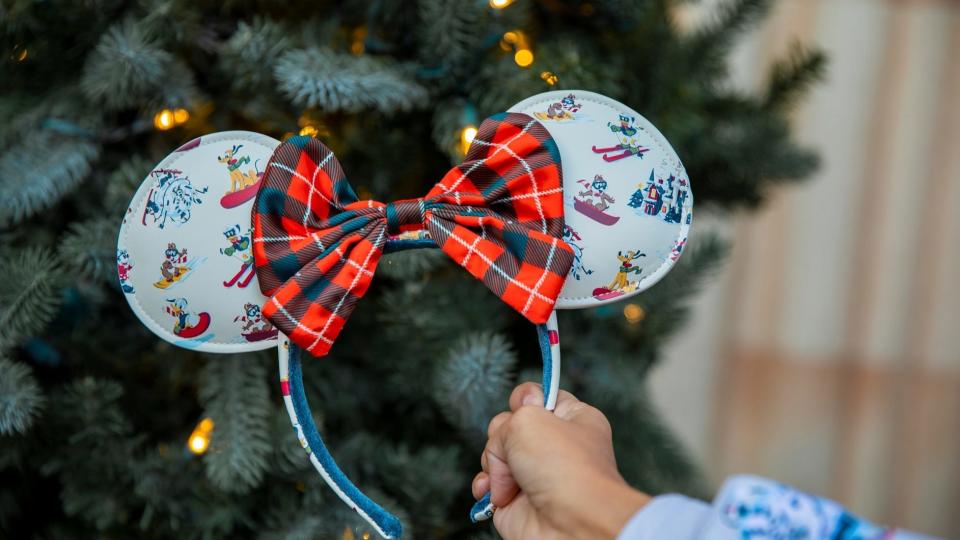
[(20, 398)]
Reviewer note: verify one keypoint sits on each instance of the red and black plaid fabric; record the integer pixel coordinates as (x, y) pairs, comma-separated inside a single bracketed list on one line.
[(499, 215)]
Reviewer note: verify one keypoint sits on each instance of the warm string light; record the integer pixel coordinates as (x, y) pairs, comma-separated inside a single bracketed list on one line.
[(357, 42), (516, 40), (167, 119), (19, 53), (633, 313), (309, 130), (549, 77), (199, 440), (500, 4), (467, 134)]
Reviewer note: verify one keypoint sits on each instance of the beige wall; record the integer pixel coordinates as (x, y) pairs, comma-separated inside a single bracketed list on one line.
[(828, 353)]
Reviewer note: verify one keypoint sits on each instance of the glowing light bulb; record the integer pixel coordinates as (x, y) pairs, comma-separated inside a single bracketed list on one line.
[(466, 137), (180, 116), (633, 313), (309, 130), (523, 57), (500, 4), (199, 440), (549, 77), (164, 120)]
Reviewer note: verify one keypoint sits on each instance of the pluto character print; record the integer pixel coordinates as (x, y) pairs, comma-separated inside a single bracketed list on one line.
[(627, 198), (185, 259)]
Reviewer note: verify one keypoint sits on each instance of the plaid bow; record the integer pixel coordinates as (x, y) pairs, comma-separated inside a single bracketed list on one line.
[(499, 215)]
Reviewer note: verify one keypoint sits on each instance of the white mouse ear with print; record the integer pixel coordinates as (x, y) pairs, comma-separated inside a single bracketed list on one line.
[(628, 205), (184, 256)]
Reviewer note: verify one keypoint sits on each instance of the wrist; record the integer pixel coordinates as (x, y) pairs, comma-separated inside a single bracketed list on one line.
[(604, 509)]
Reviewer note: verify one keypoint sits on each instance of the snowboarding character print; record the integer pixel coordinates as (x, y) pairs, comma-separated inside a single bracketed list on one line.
[(175, 267), (621, 283), (593, 201), (626, 133), (171, 199), (188, 324), (255, 327), (124, 266), (563, 110), (243, 185), (239, 249)]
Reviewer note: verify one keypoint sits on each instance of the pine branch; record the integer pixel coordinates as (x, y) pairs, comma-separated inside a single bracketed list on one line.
[(793, 76), (450, 31), (709, 45), (39, 171), (332, 81), (29, 294), (235, 395), (95, 472), (90, 248), (248, 56), (20, 397), (411, 264), (473, 381), (128, 69)]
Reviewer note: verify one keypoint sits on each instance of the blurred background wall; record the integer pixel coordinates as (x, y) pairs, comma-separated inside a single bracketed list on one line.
[(827, 354)]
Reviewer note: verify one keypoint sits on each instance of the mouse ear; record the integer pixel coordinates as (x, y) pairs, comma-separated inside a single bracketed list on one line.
[(184, 256), (627, 199)]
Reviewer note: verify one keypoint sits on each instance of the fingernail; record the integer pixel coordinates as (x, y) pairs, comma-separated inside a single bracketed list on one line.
[(530, 399)]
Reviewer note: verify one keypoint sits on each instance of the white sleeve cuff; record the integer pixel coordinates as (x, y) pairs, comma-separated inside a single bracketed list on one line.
[(675, 517)]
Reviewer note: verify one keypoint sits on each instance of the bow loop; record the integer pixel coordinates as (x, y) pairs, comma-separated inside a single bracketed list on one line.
[(499, 215)]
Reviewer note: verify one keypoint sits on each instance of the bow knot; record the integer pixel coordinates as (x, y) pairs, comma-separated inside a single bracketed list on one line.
[(499, 215), (405, 215)]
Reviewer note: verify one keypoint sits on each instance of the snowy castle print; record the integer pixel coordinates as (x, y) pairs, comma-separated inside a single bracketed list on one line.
[(664, 198)]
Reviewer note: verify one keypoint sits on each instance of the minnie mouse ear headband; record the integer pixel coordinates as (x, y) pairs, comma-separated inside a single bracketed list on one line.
[(287, 213)]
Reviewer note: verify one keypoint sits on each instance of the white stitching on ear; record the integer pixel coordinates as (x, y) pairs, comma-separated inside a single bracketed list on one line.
[(137, 206), (658, 141)]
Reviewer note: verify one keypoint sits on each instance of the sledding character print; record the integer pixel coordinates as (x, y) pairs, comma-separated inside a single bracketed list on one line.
[(254, 326), (175, 267), (621, 283), (571, 237), (593, 201), (243, 185), (124, 266), (171, 199), (188, 325), (239, 249), (564, 110), (628, 146)]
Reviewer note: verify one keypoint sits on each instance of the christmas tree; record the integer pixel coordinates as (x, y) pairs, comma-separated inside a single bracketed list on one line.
[(106, 431)]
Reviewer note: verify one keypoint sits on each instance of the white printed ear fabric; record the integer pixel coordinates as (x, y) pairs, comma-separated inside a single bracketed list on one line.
[(184, 254)]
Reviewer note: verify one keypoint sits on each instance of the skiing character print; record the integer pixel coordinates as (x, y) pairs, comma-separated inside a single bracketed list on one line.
[(254, 326), (188, 324), (243, 185), (626, 133), (175, 266), (571, 237), (239, 249), (621, 283), (124, 266), (593, 201), (171, 199)]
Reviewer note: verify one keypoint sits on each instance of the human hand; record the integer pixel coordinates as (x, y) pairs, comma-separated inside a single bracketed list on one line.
[(554, 475)]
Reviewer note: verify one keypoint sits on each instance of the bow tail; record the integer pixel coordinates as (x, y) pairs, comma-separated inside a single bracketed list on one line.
[(524, 268), (312, 306)]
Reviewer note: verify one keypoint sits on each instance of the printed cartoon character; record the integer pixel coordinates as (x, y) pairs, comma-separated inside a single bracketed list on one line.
[(123, 270), (678, 249), (255, 326), (565, 109), (189, 324), (621, 283), (593, 201), (171, 199), (627, 134), (662, 198), (239, 249), (176, 266), (243, 186), (578, 270)]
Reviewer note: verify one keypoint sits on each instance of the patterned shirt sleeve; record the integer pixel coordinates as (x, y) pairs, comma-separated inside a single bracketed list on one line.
[(753, 508)]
